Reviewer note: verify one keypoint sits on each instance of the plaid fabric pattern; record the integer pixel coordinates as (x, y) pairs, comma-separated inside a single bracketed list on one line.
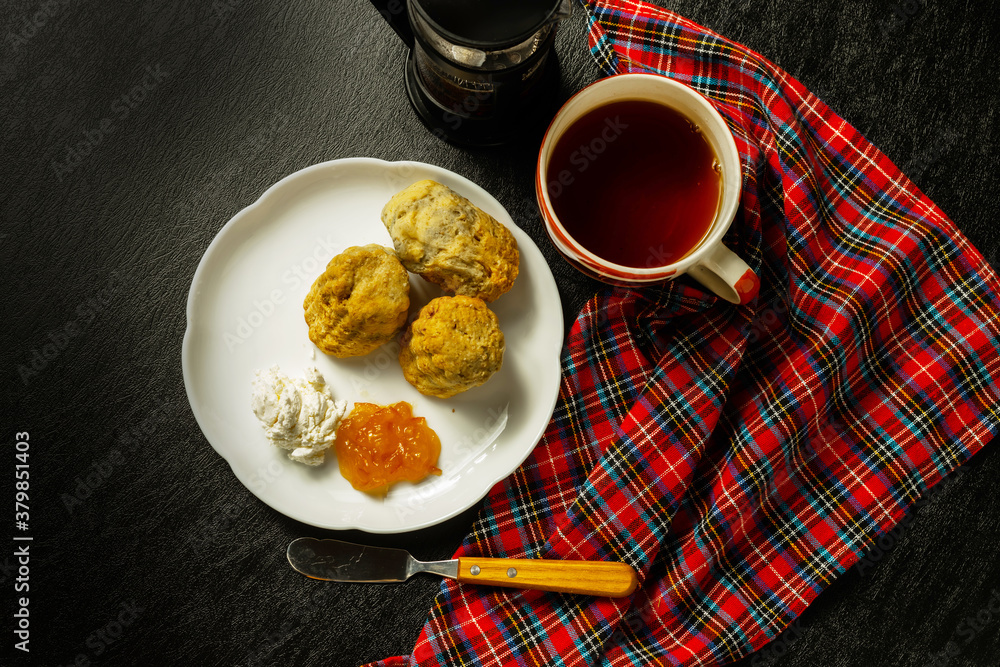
[(740, 457)]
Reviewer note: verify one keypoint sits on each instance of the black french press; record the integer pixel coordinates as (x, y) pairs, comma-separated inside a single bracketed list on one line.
[(479, 72)]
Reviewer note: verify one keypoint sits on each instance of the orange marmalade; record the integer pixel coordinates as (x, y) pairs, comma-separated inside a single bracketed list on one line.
[(378, 446)]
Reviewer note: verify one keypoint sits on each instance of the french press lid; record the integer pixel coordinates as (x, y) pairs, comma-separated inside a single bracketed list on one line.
[(486, 24)]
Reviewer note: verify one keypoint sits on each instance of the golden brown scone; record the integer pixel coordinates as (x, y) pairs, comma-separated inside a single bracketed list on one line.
[(455, 344), (359, 303), (442, 236)]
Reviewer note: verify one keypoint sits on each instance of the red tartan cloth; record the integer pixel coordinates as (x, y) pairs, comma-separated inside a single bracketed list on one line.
[(740, 457)]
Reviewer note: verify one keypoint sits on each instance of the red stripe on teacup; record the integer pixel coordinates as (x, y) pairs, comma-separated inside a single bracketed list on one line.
[(747, 286)]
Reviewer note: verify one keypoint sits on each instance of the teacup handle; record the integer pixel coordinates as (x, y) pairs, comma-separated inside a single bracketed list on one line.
[(726, 275)]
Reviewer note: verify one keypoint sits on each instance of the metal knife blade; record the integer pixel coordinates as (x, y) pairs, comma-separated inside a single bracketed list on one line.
[(334, 560)]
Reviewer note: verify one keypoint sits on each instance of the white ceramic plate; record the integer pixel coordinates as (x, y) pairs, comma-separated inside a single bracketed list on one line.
[(244, 313)]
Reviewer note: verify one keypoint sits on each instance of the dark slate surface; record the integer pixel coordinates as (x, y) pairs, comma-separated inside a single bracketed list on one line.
[(169, 559)]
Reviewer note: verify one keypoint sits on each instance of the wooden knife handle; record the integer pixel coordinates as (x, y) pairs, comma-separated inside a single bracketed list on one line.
[(613, 580)]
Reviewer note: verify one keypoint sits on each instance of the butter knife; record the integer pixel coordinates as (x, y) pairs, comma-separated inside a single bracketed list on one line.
[(334, 560)]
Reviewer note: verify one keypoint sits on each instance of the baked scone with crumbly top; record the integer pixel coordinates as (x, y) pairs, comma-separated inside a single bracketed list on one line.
[(454, 344), (359, 303), (442, 236)]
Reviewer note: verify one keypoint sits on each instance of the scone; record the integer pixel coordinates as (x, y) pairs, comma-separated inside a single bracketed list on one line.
[(443, 237), (455, 344), (359, 303)]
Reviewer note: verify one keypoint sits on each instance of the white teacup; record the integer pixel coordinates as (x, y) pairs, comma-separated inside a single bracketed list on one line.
[(710, 263)]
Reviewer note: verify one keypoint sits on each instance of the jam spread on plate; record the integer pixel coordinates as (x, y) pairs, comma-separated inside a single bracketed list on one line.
[(379, 445)]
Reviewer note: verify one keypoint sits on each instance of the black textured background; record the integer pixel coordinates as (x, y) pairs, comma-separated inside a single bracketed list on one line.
[(243, 93)]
